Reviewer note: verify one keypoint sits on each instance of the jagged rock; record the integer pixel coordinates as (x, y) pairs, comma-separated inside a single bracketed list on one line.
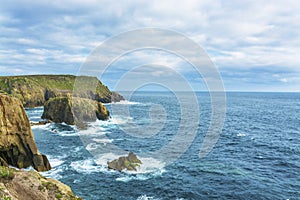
[(129, 162), (17, 145), (74, 110), (30, 185), (35, 90)]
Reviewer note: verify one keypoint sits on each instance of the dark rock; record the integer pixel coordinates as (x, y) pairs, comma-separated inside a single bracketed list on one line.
[(129, 162), (17, 145)]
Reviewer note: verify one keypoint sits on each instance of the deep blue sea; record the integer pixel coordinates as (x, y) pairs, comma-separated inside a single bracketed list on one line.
[(257, 155)]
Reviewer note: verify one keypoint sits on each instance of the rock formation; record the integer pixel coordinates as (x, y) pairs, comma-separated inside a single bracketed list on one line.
[(17, 145), (129, 162), (35, 90), (74, 110), (30, 185)]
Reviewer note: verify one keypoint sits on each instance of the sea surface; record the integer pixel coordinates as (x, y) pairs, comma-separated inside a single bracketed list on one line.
[(257, 155)]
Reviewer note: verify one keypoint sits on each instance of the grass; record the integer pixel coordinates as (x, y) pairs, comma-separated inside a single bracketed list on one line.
[(31, 89), (4, 197), (6, 173), (59, 82), (58, 195)]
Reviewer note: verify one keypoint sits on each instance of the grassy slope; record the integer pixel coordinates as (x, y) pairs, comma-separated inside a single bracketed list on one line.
[(31, 89)]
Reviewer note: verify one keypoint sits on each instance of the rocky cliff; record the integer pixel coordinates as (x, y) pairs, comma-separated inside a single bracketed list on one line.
[(74, 110), (34, 90), (17, 145), (30, 185)]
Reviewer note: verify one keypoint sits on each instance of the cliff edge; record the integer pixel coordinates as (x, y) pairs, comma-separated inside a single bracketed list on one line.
[(17, 145), (35, 90)]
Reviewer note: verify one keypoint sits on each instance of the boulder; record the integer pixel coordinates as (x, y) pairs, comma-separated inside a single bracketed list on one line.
[(17, 145), (74, 110), (130, 162)]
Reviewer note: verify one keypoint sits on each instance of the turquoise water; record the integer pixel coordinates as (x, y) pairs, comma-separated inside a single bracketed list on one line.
[(257, 155)]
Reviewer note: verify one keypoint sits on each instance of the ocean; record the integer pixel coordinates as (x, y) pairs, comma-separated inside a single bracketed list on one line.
[(257, 156)]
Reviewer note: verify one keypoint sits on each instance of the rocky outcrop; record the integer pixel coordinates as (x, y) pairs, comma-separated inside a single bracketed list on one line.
[(116, 97), (17, 145), (35, 90), (130, 162), (74, 110), (30, 185)]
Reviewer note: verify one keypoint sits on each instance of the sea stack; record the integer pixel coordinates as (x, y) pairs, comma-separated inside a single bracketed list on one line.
[(74, 110), (130, 162)]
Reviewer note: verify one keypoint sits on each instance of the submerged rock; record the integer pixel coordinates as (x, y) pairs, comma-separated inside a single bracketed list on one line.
[(130, 162), (17, 145), (74, 110)]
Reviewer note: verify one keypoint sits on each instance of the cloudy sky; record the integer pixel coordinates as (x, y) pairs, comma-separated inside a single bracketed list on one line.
[(254, 44)]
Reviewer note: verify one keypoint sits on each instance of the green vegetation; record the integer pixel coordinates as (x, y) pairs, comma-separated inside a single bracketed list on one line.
[(31, 89), (41, 188), (49, 185), (4, 197), (58, 195), (6, 173)]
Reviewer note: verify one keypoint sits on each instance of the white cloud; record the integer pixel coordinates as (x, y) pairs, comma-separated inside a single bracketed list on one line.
[(245, 34)]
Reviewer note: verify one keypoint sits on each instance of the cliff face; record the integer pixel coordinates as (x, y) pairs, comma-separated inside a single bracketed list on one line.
[(34, 90), (74, 110), (17, 145)]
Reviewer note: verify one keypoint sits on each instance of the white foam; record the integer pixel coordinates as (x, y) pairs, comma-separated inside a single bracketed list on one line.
[(123, 102), (91, 146), (93, 129), (86, 166), (103, 141), (150, 165), (68, 133), (241, 134), (145, 197), (115, 120), (53, 173), (40, 126), (56, 161)]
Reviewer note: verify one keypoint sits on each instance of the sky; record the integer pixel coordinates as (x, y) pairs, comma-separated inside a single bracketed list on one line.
[(255, 45)]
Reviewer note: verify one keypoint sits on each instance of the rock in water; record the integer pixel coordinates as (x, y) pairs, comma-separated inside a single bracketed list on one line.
[(129, 162), (74, 110), (17, 145)]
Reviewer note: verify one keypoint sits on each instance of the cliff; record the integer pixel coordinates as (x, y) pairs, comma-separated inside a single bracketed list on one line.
[(30, 185), (17, 145), (35, 90), (74, 110)]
